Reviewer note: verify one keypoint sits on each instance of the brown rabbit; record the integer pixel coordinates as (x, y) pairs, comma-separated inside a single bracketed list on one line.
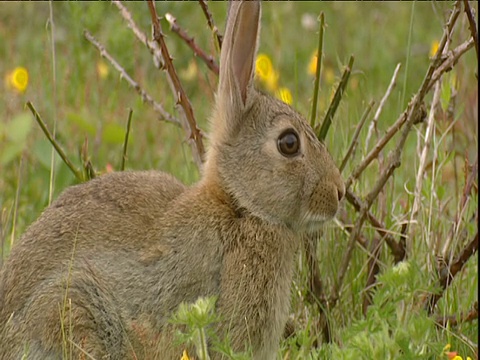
[(103, 268)]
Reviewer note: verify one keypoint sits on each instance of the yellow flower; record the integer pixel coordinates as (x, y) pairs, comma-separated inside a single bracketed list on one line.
[(285, 95), (265, 72), (434, 48), (185, 356), (17, 79), (102, 69), (312, 65)]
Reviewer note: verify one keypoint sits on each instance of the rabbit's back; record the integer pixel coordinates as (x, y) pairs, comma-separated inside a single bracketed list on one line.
[(85, 243)]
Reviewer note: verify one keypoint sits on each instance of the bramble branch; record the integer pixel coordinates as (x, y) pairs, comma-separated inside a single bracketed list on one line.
[(471, 23), (211, 24), (208, 59), (141, 36), (164, 115), (188, 122)]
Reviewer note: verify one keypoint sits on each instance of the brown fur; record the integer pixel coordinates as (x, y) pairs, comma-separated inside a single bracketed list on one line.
[(105, 266)]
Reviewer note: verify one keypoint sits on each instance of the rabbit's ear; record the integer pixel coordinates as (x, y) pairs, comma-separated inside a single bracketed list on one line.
[(237, 61)]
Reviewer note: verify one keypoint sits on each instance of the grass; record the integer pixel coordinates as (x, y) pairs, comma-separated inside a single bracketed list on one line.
[(88, 103)]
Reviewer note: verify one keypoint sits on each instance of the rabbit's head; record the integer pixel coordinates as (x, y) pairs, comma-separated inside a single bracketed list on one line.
[(262, 152)]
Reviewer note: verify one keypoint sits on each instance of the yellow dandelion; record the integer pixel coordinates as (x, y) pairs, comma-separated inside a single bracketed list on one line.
[(265, 72), (263, 66), (17, 79), (312, 65), (434, 48), (285, 95), (185, 355), (102, 69)]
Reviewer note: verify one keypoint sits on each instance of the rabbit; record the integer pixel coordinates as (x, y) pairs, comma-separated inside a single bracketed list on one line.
[(101, 271)]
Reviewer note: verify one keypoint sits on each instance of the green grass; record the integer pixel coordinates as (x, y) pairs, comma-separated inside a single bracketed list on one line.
[(85, 105)]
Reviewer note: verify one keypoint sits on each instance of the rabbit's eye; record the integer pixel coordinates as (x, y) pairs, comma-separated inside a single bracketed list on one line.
[(288, 143)]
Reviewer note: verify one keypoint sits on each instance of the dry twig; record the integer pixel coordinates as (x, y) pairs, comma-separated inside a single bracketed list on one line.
[(418, 98), (211, 24), (459, 215), (190, 41), (414, 113), (373, 124), (471, 23), (449, 61), (423, 156), (398, 250), (472, 315), (164, 115), (447, 273), (141, 36), (188, 122), (354, 142)]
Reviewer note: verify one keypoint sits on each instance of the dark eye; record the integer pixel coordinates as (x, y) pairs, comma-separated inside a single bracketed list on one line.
[(288, 143)]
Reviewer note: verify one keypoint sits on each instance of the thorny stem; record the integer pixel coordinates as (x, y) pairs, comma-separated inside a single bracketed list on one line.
[(208, 59), (398, 251), (164, 115), (415, 111), (471, 24), (189, 123), (141, 36), (392, 130), (211, 24)]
